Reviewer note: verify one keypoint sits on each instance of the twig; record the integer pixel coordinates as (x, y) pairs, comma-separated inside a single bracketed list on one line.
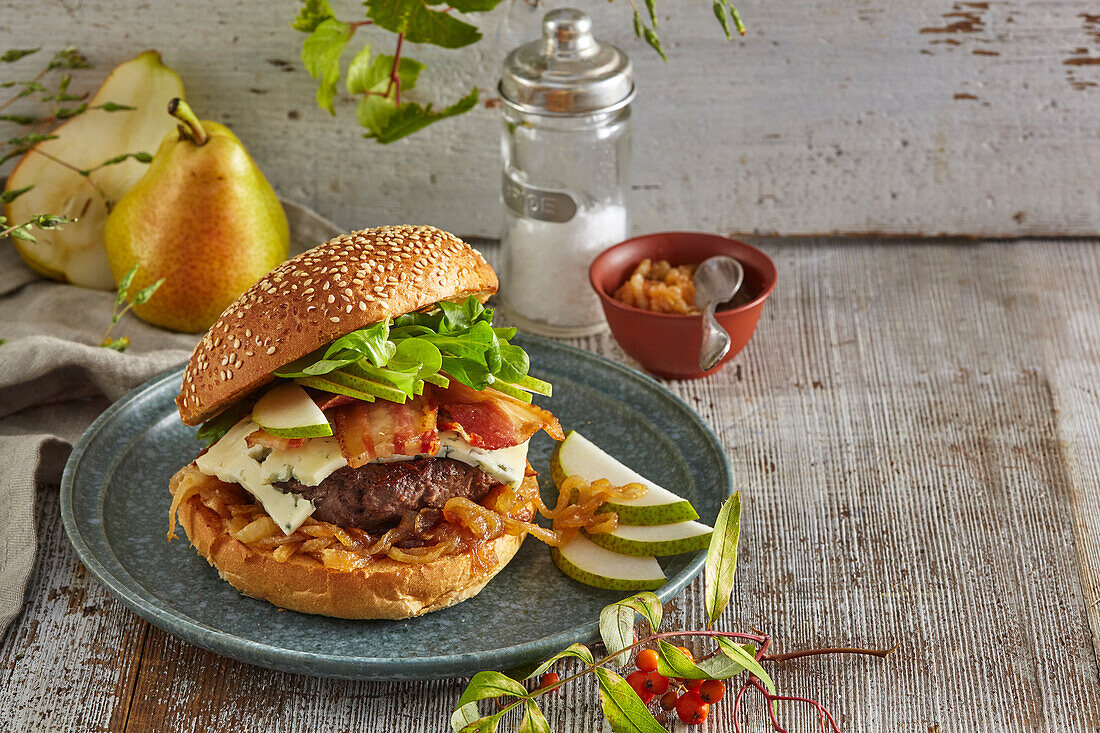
[(395, 80)]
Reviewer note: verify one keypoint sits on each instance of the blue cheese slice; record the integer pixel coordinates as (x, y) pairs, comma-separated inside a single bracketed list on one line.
[(506, 465), (256, 468)]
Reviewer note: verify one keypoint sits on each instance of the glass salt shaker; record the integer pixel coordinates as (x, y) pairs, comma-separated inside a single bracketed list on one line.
[(566, 147)]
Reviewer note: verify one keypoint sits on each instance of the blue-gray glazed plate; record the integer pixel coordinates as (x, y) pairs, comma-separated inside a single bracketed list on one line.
[(114, 502)]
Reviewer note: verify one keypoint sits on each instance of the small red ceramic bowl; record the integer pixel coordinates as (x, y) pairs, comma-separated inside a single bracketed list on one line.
[(668, 344)]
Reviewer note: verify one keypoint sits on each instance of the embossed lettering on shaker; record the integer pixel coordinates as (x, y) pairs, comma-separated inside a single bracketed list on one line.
[(538, 203)]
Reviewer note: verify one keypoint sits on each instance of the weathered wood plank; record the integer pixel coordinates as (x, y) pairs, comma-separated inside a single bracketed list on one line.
[(915, 431), (70, 661), (930, 117)]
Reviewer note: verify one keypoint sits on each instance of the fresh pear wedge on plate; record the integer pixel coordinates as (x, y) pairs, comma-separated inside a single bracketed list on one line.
[(588, 563), (576, 455), (75, 252), (659, 539), (288, 411)]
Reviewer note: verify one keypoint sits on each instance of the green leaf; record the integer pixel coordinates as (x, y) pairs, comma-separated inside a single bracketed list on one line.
[(624, 710), (416, 355), (617, 622), (720, 13), (144, 294), (651, 38), (112, 107), (671, 662), (490, 684), (17, 53), (721, 560), (579, 651), (124, 285), (19, 119), (321, 57), (651, 6), (638, 27), (722, 667), (474, 6), (420, 24), (373, 75), (65, 113), (213, 429), (20, 232), (737, 20), (533, 720), (464, 715), (68, 58), (738, 654), (411, 117), (483, 685), (8, 196), (374, 113), (310, 15)]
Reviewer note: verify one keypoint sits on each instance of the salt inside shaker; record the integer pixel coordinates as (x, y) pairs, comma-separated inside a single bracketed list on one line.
[(566, 148)]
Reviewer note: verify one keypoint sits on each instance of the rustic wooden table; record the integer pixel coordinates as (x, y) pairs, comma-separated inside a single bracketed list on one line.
[(916, 430)]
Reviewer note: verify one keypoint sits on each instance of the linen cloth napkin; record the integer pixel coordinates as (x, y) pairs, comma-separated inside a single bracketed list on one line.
[(55, 379)]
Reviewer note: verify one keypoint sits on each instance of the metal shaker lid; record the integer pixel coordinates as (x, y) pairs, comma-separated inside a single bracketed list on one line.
[(568, 72)]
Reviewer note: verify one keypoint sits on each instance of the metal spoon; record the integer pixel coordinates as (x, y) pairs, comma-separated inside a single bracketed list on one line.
[(717, 279)]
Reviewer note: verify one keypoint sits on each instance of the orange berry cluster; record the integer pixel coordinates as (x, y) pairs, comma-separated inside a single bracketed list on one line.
[(691, 699)]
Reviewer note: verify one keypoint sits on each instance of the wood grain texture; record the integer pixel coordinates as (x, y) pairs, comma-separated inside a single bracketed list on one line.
[(925, 117), (915, 432)]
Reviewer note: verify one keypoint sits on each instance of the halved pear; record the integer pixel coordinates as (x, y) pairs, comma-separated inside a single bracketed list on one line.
[(588, 563), (660, 539), (288, 412), (75, 253), (576, 455)]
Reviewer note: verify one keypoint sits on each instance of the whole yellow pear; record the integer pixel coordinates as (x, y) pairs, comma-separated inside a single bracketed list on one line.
[(204, 218)]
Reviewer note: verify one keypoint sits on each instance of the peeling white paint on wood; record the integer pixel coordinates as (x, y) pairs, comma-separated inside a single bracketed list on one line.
[(914, 429), (927, 117)]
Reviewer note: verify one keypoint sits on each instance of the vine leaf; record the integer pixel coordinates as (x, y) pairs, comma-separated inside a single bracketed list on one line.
[(387, 123), (372, 76), (533, 720), (321, 56), (311, 14), (421, 24), (722, 558), (624, 710)]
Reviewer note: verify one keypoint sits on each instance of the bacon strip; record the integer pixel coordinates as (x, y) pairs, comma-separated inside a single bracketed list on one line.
[(370, 430), (328, 400), (274, 442), (491, 420)]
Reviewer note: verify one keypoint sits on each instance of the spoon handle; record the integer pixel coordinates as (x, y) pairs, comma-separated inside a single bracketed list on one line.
[(716, 342)]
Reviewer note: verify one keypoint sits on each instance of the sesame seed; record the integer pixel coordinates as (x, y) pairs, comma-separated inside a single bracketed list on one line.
[(271, 349), (335, 319)]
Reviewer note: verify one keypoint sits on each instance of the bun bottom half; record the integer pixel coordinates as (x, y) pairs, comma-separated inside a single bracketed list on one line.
[(384, 589)]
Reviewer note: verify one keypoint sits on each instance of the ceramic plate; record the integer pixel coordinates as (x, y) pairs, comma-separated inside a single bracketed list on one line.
[(114, 502)]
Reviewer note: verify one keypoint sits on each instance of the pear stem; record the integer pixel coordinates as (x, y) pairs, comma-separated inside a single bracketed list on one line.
[(190, 128)]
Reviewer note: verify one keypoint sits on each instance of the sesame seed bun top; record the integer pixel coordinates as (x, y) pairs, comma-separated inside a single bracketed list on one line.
[(346, 283)]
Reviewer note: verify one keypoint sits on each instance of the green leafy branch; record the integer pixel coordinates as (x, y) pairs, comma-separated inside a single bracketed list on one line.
[(122, 305), (734, 653), (381, 79)]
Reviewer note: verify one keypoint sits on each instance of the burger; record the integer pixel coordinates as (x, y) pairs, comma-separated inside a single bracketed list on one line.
[(367, 431)]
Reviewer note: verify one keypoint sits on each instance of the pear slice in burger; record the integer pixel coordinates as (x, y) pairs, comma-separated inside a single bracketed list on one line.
[(287, 411), (578, 456), (658, 539), (586, 562)]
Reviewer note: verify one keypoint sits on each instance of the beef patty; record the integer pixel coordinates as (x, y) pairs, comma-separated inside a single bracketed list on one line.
[(376, 495)]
